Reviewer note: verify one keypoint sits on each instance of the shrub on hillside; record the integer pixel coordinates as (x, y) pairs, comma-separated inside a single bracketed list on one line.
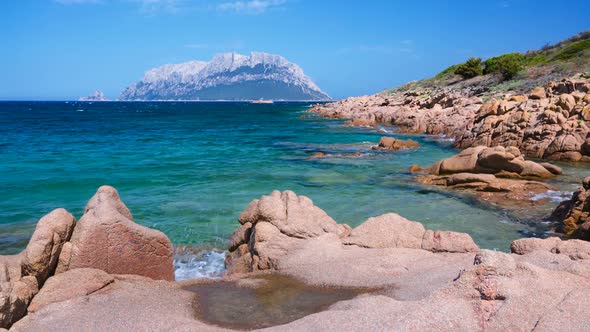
[(507, 65), (572, 50), (471, 68), (447, 72)]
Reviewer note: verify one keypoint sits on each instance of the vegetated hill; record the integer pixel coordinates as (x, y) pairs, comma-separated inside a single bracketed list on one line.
[(514, 72)]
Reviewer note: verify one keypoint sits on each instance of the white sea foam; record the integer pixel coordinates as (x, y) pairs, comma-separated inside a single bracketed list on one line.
[(553, 195), (79, 110), (205, 264)]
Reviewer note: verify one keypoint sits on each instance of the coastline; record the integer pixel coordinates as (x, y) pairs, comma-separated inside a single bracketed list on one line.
[(286, 248), (559, 111), (399, 264)]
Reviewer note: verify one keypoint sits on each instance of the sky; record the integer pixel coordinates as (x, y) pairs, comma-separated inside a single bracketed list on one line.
[(64, 49)]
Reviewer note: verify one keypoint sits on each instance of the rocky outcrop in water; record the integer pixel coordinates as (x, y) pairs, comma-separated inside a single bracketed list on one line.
[(500, 161), (550, 122), (393, 144), (574, 214), (498, 175)]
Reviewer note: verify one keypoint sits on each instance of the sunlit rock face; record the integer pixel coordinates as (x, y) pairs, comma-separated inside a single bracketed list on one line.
[(228, 76)]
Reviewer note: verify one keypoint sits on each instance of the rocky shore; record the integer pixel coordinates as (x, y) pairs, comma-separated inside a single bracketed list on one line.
[(549, 122), (104, 272)]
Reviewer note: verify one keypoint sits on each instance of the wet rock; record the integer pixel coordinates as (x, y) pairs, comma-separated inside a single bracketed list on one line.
[(574, 214), (494, 160), (106, 238), (394, 144), (552, 168), (318, 155)]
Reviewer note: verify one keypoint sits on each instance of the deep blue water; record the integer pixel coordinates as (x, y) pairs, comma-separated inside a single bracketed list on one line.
[(189, 169)]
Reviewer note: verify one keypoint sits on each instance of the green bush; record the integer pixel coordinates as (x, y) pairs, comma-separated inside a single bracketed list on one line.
[(471, 68), (536, 60), (507, 65), (450, 70), (572, 50)]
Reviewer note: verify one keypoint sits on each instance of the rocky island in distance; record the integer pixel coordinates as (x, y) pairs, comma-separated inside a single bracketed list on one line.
[(227, 77)]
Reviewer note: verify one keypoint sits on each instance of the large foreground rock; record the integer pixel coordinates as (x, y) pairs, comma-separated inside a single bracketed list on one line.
[(22, 275), (574, 214), (68, 285), (106, 238), (283, 223), (125, 303), (274, 225)]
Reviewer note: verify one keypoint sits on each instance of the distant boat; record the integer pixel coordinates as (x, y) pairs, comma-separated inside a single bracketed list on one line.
[(261, 101)]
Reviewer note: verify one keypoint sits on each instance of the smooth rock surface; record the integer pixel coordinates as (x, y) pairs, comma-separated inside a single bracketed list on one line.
[(106, 238), (68, 285)]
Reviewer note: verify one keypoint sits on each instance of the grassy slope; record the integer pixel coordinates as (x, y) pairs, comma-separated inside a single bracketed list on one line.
[(550, 63)]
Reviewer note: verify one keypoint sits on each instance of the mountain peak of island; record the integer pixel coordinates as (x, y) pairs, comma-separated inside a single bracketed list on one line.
[(227, 76)]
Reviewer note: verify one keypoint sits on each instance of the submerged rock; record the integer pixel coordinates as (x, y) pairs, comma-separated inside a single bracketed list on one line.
[(574, 214), (106, 238)]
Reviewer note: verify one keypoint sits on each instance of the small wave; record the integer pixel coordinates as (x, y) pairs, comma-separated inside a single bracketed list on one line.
[(79, 110), (384, 131), (553, 195), (204, 264)]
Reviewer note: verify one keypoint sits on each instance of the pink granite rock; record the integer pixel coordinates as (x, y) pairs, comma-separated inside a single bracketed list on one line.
[(106, 238)]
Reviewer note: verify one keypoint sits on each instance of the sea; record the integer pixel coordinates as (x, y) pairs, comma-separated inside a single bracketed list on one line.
[(189, 168)]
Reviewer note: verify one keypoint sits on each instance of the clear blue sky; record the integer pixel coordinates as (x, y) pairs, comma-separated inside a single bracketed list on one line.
[(63, 49)]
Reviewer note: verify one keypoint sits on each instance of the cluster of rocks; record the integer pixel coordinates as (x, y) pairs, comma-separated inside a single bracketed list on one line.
[(573, 215), (104, 241), (500, 175), (542, 285), (282, 222), (415, 279), (550, 122)]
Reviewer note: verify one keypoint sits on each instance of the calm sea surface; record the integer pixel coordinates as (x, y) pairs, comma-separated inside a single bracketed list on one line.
[(189, 169)]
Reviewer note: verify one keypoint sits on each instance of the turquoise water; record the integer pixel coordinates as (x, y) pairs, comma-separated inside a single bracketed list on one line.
[(189, 169)]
